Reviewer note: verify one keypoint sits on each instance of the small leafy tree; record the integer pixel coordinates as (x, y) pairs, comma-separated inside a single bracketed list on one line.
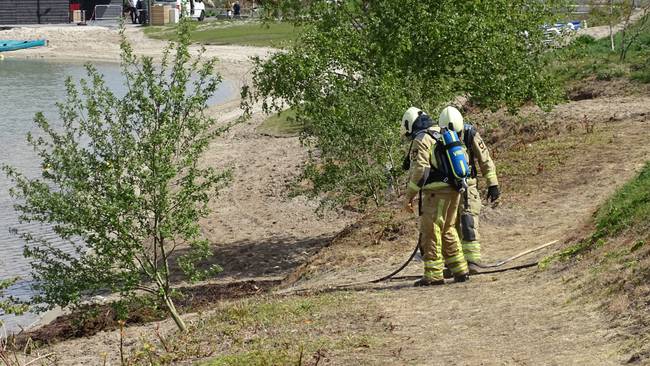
[(121, 180), (633, 28), (629, 17), (9, 305), (359, 64), (611, 12)]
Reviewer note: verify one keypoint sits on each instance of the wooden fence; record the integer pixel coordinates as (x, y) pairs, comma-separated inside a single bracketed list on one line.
[(34, 11)]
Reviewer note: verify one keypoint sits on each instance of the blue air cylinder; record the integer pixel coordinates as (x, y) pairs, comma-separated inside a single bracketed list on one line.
[(456, 154)]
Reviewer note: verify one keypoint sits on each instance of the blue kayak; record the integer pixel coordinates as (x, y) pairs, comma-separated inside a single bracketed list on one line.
[(19, 45)]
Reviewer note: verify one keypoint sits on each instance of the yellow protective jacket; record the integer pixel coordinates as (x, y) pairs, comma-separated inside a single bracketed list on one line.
[(422, 160), (480, 154)]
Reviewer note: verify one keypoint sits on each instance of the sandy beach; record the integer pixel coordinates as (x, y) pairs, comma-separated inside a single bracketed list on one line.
[(97, 43)]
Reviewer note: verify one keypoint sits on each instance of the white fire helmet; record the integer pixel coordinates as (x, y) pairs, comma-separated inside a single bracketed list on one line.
[(409, 118), (452, 119)]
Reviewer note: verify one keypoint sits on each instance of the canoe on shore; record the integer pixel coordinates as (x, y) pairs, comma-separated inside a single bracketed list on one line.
[(10, 45)]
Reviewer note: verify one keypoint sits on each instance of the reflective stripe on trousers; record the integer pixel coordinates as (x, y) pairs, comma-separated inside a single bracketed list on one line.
[(439, 237)]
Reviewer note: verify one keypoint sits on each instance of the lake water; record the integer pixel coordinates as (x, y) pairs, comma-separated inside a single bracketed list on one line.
[(27, 87)]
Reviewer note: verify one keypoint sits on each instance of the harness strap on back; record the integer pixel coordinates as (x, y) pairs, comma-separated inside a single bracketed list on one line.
[(469, 132), (455, 143)]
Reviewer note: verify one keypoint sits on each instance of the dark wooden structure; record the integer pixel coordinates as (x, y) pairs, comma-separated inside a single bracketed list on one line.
[(89, 5), (34, 11)]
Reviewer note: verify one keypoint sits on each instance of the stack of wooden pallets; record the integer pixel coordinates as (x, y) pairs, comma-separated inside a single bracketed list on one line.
[(160, 14)]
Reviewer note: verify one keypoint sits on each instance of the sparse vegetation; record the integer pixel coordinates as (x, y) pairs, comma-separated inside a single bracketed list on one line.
[(590, 58), (281, 124), (267, 331), (89, 319)]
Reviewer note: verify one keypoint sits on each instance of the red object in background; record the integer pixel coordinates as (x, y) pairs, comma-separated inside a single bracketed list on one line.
[(74, 7)]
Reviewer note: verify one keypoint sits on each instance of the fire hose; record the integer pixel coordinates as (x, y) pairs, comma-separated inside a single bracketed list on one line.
[(489, 266)]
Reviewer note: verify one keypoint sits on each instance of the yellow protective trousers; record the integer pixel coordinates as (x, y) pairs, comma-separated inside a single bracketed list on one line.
[(468, 223), (439, 240)]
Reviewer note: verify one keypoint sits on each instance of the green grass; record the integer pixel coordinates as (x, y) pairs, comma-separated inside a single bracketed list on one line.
[(626, 212), (587, 57), (256, 358), (628, 209), (233, 33), (282, 124)]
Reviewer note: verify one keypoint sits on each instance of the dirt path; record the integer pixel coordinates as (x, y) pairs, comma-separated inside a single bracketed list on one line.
[(526, 317), (602, 31), (512, 319)]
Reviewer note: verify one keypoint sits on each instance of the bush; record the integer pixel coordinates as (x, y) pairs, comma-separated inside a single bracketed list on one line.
[(583, 40), (359, 65), (641, 76), (121, 181), (610, 72)]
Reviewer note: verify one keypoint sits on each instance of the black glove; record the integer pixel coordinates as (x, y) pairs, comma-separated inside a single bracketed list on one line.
[(406, 164), (493, 193)]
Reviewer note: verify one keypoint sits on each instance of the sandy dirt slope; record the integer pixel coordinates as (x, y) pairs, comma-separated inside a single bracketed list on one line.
[(258, 229), (526, 317)]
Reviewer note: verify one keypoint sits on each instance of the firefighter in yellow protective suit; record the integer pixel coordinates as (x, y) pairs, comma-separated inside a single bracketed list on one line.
[(470, 207), (439, 202)]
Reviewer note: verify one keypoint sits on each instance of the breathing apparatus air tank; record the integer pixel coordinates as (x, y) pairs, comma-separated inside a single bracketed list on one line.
[(457, 156)]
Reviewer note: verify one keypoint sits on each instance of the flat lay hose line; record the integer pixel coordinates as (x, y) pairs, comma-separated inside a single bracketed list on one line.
[(393, 275)]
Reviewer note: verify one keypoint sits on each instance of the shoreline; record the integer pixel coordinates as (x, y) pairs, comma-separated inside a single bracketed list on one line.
[(102, 44), (98, 44)]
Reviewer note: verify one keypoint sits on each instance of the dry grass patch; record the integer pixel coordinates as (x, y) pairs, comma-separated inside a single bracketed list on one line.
[(271, 331)]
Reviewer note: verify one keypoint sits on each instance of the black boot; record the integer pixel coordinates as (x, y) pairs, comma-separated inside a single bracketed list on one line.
[(473, 268), (461, 278), (428, 282)]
